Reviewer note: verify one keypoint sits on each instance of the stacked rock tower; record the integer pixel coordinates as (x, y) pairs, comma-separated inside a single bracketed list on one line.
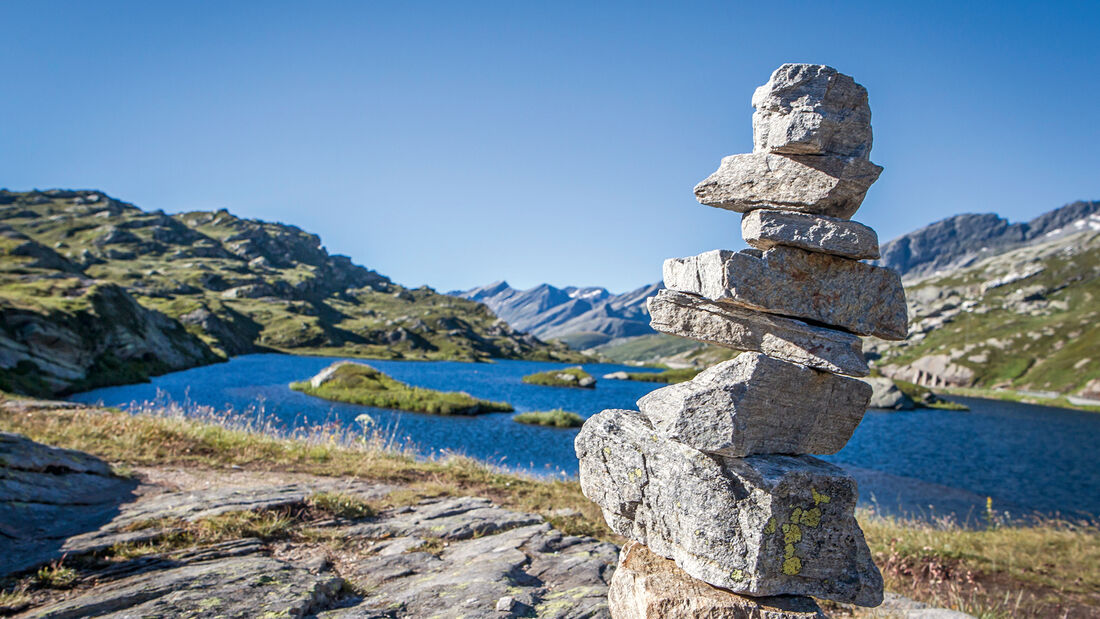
[(716, 474)]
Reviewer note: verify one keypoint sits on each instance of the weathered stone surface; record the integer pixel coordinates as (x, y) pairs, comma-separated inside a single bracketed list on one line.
[(762, 525), (932, 371), (546, 573), (886, 395), (753, 404), (764, 229), (692, 316), (833, 186), (646, 586), (811, 109), (858, 297), (488, 553), (232, 580)]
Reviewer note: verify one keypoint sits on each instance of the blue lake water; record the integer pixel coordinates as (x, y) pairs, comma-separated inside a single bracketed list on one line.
[(1027, 458)]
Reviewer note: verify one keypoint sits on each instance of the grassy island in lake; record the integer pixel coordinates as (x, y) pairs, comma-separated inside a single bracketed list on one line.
[(358, 383), (679, 375), (569, 377), (555, 419)]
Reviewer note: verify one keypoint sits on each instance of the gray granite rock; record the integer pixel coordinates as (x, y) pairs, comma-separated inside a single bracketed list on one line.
[(239, 582), (886, 395), (811, 109), (545, 573), (854, 296), (753, 404), (646, 586), (764, 229), (762, 525), (449, 519), (692, 316), (833, 186)]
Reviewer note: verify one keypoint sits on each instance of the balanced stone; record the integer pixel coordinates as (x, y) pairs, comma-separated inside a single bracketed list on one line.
[(753, 404), (692, 316), (811, 109), (762, 525), (854, 296), (646, 586), (764, 229), (833, 186)]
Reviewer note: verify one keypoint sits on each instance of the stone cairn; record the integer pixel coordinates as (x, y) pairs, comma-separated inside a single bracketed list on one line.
[(712, 480)]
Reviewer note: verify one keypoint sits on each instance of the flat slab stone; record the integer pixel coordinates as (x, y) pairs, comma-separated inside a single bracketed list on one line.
[(692, 316), (820, 185), (764, 229), (544, 573), (811, 109), (233, 580), (647, 586), (753, 404), (854, 296), (762, 525)]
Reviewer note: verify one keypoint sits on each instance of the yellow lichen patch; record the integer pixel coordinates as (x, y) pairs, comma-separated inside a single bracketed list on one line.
[(819, 498), (737, 575), (770, 528), (788, 551), (811, 517), (792, 533), (792, 566)]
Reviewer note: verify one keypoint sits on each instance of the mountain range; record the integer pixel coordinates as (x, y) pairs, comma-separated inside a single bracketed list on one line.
[(580, 317), (963, 240), (95, 291)]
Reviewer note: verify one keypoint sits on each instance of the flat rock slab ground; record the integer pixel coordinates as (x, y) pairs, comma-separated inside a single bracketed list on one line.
[(448, 557)]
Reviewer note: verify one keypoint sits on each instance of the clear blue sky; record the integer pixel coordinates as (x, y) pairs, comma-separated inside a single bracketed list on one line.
[(456, 143)]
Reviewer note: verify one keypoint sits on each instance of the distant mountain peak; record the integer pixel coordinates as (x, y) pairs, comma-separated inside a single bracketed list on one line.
[(590, 314), (960, 240)]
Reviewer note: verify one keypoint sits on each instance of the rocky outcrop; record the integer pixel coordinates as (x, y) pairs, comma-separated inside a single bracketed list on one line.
[(443, 557), (886, 395), (714, 473), (932, 371), (99, 292), (62, 331)]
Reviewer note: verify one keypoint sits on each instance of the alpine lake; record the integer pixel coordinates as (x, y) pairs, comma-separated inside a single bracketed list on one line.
[(926, 463)]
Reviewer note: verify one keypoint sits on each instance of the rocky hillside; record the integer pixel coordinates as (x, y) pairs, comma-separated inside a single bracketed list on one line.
[(580, 317), (1026, 319), (962, 240), (117, 294)]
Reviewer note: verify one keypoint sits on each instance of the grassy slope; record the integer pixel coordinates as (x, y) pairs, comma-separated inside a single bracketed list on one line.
[(360, 384), (69, 332), (1039, 333), (246, 285), (1002, 571)]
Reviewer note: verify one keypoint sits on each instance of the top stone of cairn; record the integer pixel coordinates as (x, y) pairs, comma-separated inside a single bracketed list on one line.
[(811, 109)]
